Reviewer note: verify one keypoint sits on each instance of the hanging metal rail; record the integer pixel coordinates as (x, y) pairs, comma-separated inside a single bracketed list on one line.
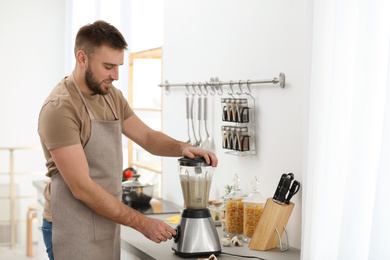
[(216, 85)]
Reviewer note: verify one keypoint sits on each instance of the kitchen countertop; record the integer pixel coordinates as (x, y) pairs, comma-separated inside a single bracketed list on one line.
[(138, 245), (145, 249)]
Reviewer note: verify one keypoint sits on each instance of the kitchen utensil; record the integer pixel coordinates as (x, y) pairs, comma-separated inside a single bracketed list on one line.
[(293, 190), (188, 119), (196, 234), (284, 187), (195, 142), (199, 121), (207, 142), (136, 193)]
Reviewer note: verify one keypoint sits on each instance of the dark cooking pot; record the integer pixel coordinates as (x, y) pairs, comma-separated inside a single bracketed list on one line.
[(136, 193)]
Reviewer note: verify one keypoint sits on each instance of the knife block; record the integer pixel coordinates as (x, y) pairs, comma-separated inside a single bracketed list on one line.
[(274, 216)]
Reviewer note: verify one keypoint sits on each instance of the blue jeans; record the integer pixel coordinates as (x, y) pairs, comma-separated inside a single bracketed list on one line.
[(47, 228)]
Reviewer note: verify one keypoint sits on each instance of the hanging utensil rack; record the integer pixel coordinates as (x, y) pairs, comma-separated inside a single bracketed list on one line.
[(214, 86)]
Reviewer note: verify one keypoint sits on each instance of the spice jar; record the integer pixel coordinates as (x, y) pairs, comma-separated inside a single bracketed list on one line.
[(215, 210), (242, 139), (225, 140), (253, 209), (234, 210), (242, 110), (224, 109)]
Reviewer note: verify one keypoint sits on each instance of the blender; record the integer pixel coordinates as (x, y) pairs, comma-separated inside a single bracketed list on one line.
[(196, 232)]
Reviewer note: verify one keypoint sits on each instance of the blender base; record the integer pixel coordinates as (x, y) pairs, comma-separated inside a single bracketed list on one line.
[(196, 234)]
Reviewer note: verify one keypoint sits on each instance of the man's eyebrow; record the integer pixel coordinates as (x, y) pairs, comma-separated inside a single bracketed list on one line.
[(111, 64)]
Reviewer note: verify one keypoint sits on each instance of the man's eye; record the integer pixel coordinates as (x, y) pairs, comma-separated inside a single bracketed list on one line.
[(109, 67)]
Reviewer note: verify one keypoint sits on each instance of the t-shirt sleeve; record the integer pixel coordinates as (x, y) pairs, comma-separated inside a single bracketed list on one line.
[(57, 126), (124, 105)]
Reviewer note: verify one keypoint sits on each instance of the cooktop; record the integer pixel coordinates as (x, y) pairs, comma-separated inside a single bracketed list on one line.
[(156, 206)]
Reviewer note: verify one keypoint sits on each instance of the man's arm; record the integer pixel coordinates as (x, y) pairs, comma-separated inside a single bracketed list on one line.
[(160, 144), (73, 166)]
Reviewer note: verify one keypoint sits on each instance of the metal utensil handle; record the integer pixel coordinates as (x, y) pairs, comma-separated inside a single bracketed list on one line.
[(192, 119), (205, 109), (187, 108), (200, 108)]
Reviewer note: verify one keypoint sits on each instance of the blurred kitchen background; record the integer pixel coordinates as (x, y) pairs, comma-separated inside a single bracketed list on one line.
[(327, 125)]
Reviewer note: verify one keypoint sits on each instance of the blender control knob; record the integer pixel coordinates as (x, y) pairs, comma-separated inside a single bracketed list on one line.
[(177, 236)]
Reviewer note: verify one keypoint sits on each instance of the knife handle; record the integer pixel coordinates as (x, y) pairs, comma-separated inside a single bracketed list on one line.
[(293, 190)]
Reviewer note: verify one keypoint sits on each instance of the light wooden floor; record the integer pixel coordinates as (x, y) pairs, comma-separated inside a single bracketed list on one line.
[(19, 253)]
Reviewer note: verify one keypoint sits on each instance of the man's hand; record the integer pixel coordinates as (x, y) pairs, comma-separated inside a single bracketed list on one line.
[(156, 230), (159, 144), (192, 152)]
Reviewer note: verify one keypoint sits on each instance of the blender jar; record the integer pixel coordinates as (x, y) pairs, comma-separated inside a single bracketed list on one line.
[(253, 209), (195, 178), (234, 211)]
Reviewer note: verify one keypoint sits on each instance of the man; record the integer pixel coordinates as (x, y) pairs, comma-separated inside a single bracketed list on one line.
[(80, 127)]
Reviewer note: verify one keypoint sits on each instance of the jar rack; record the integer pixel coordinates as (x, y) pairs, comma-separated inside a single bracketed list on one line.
[(239, 135), (239, 127)]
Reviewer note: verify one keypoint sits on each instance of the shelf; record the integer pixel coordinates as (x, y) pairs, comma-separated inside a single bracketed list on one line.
[(151, 166), (155, 53)]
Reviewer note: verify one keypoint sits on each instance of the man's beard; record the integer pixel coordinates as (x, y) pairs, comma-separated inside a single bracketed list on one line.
[(93, 84)]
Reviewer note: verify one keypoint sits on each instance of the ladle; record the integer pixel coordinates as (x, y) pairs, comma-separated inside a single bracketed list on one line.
[(199, 121), (207, 142), (188, 119), (196, 142)]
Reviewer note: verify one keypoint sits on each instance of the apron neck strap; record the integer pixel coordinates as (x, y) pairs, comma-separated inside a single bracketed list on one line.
[(85, 103)]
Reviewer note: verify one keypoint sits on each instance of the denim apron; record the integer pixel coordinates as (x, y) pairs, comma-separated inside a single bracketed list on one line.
[(79, 232)]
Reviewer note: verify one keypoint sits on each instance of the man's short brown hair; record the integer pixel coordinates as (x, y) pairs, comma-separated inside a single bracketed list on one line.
[(95, 35)]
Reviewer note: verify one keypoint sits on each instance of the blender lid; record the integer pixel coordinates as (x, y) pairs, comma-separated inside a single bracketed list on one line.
[(200, 161)]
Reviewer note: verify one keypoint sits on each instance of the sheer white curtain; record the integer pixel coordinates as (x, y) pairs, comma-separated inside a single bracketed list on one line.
[(346, 202)]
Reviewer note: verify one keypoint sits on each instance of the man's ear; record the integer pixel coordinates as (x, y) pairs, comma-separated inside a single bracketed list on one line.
[(82, 59)]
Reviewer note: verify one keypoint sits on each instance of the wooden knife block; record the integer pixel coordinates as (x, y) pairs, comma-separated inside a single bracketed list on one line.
[(274, 216)]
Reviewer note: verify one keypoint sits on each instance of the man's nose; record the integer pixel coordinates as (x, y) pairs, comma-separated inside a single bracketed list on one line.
[(115, 74)]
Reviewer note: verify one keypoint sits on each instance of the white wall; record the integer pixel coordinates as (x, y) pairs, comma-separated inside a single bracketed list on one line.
[(240, 40), (32, 52), (32, 56)]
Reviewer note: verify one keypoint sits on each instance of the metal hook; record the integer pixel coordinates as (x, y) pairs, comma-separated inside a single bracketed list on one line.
[(193, 87), (219, 87), (205, 88), (212, 92), (231, 87), (188, 91), (167, 89), (239, 86), (199, 84), (212, 87), (200, 89), (248, 84)]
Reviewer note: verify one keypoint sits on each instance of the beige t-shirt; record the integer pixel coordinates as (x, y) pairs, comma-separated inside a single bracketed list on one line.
[(64, 121)]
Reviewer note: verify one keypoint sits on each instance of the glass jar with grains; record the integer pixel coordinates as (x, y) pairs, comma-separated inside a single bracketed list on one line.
[(253, 209), (234, 211)]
